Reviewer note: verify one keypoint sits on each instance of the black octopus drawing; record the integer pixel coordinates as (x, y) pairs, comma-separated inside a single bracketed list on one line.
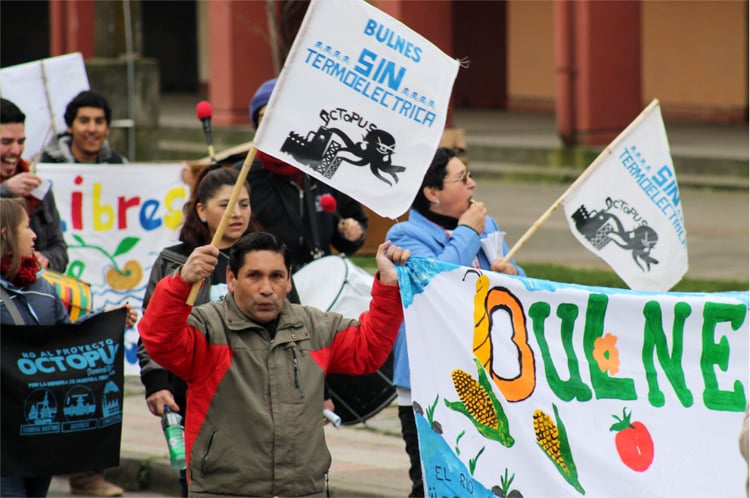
[(599, 231), (375, 150)]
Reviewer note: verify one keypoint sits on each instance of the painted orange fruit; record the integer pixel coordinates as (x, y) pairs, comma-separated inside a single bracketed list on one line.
[(127, 278)]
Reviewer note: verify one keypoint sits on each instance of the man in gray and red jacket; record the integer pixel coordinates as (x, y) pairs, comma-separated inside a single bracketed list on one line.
[(255, 365)]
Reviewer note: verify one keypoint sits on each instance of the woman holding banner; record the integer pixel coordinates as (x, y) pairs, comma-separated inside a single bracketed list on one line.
[(26, 299), (446, 224), (203, 213)]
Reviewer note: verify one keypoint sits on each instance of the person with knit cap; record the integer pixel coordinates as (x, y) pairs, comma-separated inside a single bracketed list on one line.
[(16, 180), (287, 203)]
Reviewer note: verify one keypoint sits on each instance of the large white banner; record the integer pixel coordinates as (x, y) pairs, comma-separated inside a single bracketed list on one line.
[(558, 390), (360, 104), (42, 90), (628, 211), (116, 219)]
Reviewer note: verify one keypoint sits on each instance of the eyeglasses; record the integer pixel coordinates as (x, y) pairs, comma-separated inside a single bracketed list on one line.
[(463, 178)]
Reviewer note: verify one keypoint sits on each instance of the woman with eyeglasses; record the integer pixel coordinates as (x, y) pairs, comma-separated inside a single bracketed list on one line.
[(445, 224)]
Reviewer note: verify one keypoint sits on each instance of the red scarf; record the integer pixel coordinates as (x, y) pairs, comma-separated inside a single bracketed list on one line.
[(279, 167), (27, 272), (31, 201)]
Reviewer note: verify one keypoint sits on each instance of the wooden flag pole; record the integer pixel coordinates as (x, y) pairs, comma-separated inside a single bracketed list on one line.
[(236, 191), (590, 169)]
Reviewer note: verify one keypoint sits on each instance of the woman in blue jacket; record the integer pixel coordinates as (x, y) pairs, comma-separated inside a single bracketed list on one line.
[(444, 224)]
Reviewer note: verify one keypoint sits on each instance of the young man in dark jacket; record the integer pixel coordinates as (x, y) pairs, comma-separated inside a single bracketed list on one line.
[(255, 365), (88, 117)]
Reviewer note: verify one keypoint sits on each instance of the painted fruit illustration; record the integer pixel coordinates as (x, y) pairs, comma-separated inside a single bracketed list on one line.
[(633, 442), (127, 278)]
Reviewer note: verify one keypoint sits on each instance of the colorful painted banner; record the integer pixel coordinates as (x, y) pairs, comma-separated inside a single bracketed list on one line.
[(62, 388), (42, 90), (628, 210), (360, 104), (554, 389), (116, 219)]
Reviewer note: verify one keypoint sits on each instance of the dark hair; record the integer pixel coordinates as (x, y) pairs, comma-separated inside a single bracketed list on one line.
[(12, 210), (433, 177), (256, 241), (194, 232), (10, 113), (86, 98)]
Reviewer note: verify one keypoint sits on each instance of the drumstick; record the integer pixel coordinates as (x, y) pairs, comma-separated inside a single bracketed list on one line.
[(227, 214)]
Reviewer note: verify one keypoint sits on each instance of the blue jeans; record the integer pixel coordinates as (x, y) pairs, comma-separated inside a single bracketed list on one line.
[(24, 486)]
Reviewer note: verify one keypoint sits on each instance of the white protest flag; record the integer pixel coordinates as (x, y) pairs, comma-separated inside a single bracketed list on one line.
[(360, 104), (42, 90), (525, 387), (628, 211)]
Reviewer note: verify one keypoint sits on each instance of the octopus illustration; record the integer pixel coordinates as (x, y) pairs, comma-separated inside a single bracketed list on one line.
[(640, 241), (375, 150), (602, 227)]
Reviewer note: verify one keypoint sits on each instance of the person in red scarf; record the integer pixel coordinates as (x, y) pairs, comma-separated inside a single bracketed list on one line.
[(17, 181), (27, 299), (287, 203)]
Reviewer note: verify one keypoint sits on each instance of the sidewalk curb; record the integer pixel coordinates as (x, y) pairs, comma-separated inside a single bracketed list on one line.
[(150, 473)]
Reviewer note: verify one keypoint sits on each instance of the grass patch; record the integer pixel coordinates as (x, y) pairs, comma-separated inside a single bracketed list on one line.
[(593, 277)]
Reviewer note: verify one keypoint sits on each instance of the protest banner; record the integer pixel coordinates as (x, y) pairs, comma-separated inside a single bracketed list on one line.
[(116, 219), (42, 90), (360, 104), (554, 389), (62, 388), (626, 208)]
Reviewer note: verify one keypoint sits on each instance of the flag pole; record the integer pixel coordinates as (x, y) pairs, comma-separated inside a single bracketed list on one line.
[(236, 191), (590, 169)]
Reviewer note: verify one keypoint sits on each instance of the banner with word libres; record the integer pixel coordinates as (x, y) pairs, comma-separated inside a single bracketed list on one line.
[(360, 104), (116, 220), (62, 396), (552, 389)]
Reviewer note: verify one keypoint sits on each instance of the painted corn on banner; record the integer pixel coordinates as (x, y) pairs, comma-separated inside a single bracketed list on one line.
[(628, 210), (116, 219), (525, 387), (360, 104)]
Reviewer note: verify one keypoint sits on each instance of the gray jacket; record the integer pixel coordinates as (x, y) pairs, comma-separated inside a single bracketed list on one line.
[(58, 151)]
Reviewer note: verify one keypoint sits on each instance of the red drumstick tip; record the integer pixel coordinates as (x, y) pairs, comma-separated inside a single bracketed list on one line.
[(328, 203), (203, 110)]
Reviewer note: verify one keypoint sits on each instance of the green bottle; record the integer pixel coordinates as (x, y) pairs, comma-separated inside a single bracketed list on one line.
[(171, 423)]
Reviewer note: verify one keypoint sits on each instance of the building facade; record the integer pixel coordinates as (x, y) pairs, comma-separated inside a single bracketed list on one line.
[(594, 64)]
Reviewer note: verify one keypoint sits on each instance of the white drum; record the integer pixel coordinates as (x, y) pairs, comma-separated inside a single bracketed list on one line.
[(334, 283)]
